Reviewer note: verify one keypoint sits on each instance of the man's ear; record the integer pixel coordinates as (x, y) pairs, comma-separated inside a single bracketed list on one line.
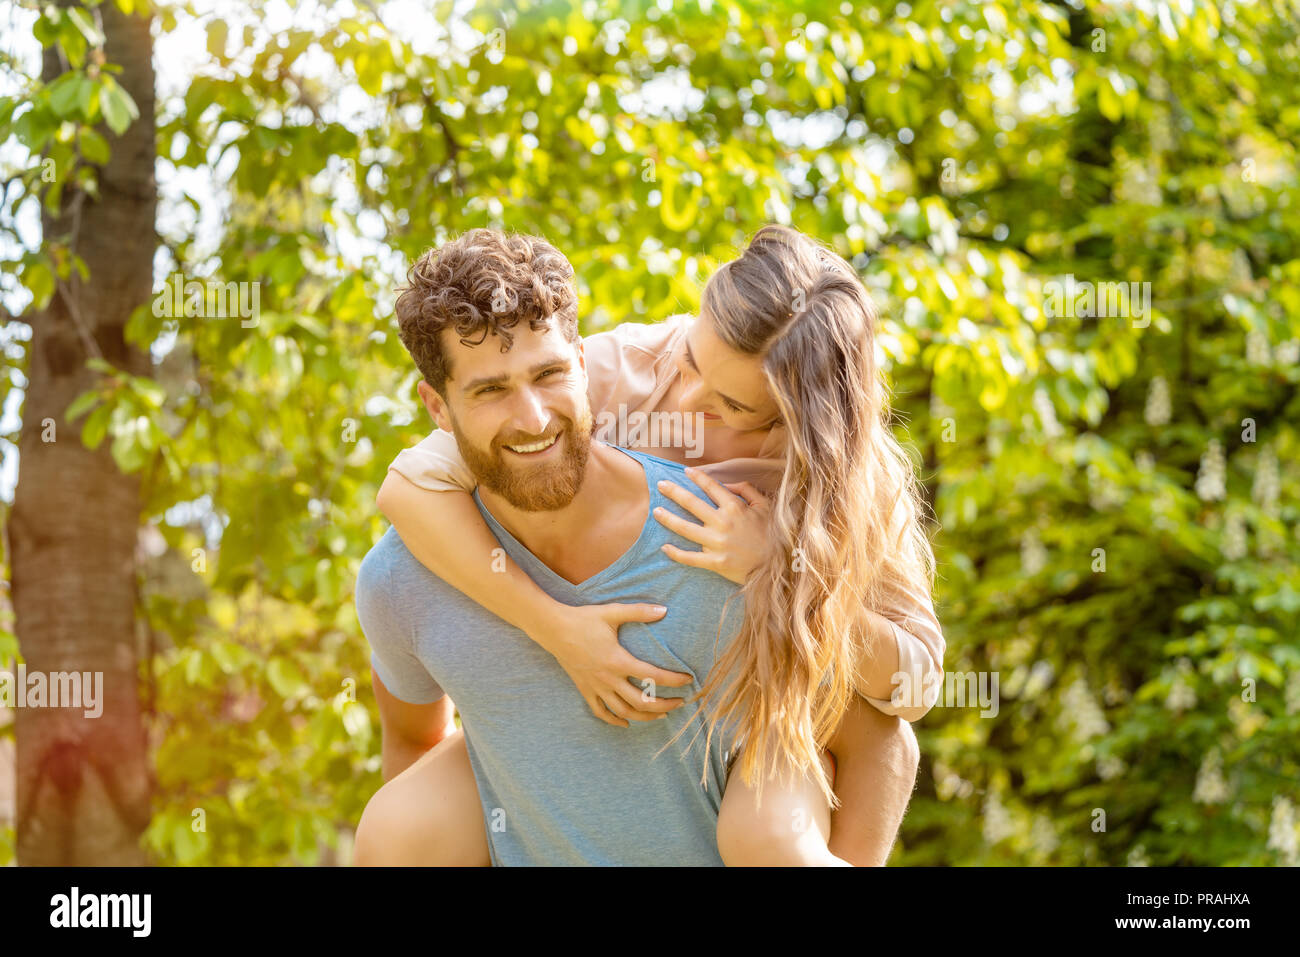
[(435, 403)]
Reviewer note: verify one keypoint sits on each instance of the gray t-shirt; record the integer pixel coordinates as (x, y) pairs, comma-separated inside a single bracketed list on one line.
[(558, 785)]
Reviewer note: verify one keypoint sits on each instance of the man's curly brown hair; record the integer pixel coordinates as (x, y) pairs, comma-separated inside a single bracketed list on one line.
[(483, 283)]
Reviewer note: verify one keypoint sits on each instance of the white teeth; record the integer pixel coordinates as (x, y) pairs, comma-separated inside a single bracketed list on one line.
[(536, 447)]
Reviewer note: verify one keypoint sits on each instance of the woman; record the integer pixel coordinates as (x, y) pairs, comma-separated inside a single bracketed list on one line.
[(835, 564)]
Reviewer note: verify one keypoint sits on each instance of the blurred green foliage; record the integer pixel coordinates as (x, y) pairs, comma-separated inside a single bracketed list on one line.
[(1117, 519)]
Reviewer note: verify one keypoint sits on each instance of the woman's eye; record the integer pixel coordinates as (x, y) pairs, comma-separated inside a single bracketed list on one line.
[(731, 407)]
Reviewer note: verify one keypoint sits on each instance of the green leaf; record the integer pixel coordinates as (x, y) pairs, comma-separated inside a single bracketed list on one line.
[(96, 426), (82, 403), (150, 393), (130, 446), (65, 94), (119, 109), (285, 677), (82, 21), (94, 148), (39, 280)]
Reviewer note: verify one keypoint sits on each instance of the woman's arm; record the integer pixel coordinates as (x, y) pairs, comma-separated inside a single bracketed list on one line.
[(440, 528)]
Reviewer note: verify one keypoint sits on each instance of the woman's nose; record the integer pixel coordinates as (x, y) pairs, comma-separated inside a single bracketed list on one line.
[(692, 397)]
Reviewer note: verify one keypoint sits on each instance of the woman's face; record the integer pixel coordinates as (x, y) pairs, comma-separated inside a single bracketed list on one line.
[(724, 385)]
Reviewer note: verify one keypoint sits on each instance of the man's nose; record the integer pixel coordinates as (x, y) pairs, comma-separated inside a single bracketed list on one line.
[(530, 413)]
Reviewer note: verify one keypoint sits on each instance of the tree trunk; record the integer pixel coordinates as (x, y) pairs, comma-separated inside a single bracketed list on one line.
[(84, 784)]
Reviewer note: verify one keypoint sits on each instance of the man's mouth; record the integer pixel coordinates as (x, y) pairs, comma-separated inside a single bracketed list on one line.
[(534, 448)]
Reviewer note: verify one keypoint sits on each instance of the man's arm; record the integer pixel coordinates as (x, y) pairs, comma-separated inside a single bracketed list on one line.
[(877, 757), (416, 714), (409, 730)]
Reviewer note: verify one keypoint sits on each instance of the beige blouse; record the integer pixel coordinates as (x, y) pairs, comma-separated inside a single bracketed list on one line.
[(633, 368)]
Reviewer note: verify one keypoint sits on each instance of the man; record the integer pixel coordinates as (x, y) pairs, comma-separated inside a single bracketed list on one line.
[(496, 339)]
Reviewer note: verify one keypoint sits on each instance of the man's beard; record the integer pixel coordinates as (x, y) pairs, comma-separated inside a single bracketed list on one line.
[(541, 487)]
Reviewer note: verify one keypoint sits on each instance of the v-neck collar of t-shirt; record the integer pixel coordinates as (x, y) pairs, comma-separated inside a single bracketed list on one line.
[(539, 569)]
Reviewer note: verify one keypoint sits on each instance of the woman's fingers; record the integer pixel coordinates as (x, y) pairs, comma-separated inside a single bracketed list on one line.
[(615, 704), (675, 523), (712, 487), (752, 496), (647, 685), (641, 709), (598, 708), (620, 614), (643, 672), (687, 500), (683, 557)]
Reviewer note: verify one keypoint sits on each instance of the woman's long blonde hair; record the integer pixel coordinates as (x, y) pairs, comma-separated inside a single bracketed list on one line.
[(846, 520)]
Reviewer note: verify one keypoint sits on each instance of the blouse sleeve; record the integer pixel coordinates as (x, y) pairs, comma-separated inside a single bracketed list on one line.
[(435, 464), (921, 648), (627, 364)]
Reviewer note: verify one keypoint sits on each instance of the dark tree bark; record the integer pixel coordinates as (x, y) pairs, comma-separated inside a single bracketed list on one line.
[(84, 784)]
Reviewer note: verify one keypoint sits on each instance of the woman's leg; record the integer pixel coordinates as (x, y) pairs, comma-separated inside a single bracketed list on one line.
[(790, 829), (874, 770), (427, 816), (877, 757)]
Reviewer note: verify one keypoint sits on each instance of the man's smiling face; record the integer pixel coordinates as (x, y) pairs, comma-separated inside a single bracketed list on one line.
[(521, 417)]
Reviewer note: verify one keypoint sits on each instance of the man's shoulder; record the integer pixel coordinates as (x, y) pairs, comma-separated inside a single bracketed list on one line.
[(389, 566), (657, 468)]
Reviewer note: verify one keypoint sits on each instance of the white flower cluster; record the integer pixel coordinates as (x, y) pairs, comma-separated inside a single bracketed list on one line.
[(1158, 408), (1138, 857), (1282, 832), (1110, 767), (1182, 696), (1210, 788), (1080, 709), (1257, 351), (1292, 692), (1033, 556), (1287, 353), (1043, 835), (1139, 183), (948, 784), (1234, 538), (997, 822), (1266, 486), (1210, 480), (1102, 493), (1047, 415)]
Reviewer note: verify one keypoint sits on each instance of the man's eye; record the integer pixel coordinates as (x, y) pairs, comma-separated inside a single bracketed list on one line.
[(549, 372), (488, 388)]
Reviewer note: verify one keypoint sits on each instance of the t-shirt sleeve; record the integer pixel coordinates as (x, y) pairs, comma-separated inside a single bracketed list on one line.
[(391, 652), (435, 464)]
